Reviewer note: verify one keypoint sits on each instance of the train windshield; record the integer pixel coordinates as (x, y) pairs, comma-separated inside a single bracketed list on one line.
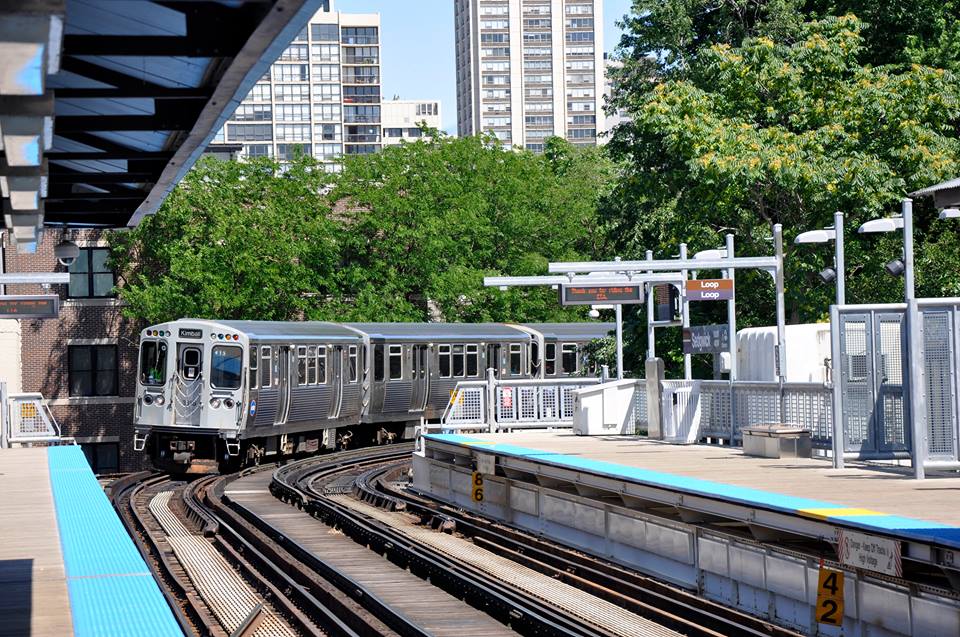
[(153, 363), (226, 367)]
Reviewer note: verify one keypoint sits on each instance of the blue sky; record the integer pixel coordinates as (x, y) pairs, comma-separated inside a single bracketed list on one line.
[(418, 52)]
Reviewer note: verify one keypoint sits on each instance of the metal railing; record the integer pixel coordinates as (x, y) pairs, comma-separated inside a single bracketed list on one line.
[(496, 405), (30, 421)]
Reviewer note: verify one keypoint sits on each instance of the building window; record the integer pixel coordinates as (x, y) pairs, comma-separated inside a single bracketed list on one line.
[(325, 32), (327, 132), (89, 275), (92, 370), (326, 73), (361, 94), (326, 52), (327, 112), (249, 132), (327, 152), (359, 35), (260, 93), (293, 132), (361, 114), (293, 92), (258, 150), (287, 152), (252, 113), (295, 52), (291, 73), (326, 93), (293, 113), (103, 457)]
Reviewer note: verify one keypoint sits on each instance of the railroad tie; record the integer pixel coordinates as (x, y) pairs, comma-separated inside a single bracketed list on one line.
[(227, 594), (589, 608)]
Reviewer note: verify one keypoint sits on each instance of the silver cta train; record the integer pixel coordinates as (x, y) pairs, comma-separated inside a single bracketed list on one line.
[(214, 394)]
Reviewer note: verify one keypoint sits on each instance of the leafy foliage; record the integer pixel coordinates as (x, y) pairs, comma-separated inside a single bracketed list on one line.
[(742, 131), (234, 240), (429, 220)]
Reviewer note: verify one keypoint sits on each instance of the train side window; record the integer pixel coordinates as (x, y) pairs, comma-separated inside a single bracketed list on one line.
[(396, 362), (352, 354), (443, 354), (253, 367), (266, 366), (534, 357), (516, 359), (473, 360), (458, 361), (550, 359), (378, 362), (322, 365), (302, 365), (568, 353), (312, 365)]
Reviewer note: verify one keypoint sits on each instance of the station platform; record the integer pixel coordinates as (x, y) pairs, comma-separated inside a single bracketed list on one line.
[(67, 565), (745, 531)]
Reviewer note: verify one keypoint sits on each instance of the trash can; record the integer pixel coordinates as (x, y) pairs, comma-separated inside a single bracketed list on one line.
[(776, 440)]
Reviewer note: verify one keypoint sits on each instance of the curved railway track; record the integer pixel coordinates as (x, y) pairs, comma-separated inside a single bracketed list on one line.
[(360, 494)]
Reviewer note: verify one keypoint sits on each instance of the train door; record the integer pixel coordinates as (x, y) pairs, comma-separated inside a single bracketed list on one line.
[(282, 373), (337, 379), (419, 377), (493, 359), (188, 392)]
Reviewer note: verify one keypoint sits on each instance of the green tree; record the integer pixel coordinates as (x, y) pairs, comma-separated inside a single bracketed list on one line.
[(426, 221), (234, 240), (786, 132)]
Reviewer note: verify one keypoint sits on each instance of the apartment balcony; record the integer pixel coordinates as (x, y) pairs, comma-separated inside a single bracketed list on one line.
[(361, 80), (362, 139), (361, 119), (361, 59)]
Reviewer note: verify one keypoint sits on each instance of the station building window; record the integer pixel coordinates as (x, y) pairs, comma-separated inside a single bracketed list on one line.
[(89, 275), (103, 457), (92, 370)]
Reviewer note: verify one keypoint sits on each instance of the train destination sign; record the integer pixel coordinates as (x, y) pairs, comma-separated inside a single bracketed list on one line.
[(706, 339), (600, 294), (709, 290), (45, 306)]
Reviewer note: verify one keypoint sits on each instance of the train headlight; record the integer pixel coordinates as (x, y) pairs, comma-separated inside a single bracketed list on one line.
[(228, 403), (147, 399), (215, 403), (159, 400)]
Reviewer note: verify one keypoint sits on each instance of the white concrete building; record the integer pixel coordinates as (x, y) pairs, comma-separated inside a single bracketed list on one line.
[(322, 96), (530, 69), (402, 119), (611, 120)]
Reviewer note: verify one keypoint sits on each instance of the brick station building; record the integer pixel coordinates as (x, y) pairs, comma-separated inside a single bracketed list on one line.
[(85, 363)]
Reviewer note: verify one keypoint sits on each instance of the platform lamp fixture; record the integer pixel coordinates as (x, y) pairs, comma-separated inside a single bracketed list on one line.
[(835, 234)]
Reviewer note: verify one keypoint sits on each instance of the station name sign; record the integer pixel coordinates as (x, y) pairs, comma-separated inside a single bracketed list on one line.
[(709, 290), (600, 294), (45, 306), (190, 333), (706, 339)]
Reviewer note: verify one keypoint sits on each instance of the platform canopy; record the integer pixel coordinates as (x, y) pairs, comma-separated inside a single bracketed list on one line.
[(105, 104)]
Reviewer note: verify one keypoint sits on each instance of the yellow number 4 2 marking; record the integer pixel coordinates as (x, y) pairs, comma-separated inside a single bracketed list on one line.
[(830, 597)]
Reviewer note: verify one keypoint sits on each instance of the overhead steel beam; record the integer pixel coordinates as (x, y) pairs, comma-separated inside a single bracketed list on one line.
[(211, 46), (104, 75), (148, 92), (660, 265), (102, 177), (536, 281), (108, 155), (82, 123), (34, 278)]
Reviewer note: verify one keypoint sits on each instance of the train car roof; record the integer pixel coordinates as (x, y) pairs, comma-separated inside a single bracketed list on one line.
[(579, 331), (282, 329), (434, 331)]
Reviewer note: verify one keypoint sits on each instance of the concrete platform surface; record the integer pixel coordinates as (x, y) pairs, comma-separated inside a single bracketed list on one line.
[(884, 500)]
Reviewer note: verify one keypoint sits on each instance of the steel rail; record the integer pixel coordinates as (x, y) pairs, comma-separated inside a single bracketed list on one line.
[(672, 606)]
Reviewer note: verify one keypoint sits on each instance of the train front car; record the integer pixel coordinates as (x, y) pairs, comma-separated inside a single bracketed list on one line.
[(190, 395)]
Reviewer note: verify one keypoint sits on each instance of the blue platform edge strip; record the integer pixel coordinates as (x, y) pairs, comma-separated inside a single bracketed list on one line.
[(112, 591), (903, 527)]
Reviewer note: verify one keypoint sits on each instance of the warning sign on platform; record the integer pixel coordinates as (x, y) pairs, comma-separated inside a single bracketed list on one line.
[(830, 597), (869, 552)]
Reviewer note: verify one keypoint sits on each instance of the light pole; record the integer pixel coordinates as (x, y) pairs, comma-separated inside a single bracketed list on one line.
[(835, 234), (916, 411)]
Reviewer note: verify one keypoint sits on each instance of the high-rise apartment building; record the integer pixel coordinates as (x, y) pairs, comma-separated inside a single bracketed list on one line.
[(321, 97), (530, 69)]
